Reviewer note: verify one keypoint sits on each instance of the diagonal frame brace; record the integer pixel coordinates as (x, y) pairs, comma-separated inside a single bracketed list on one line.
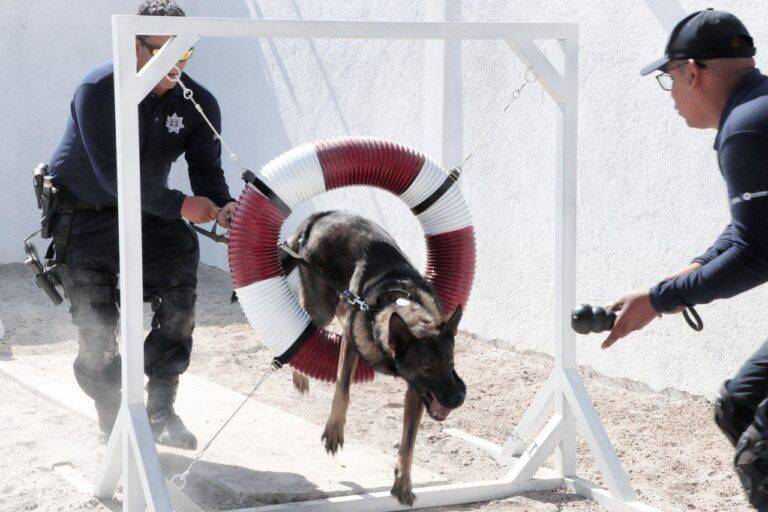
[(535, 456), (593, 431), (534, 418), (549, 78), (160, 64)]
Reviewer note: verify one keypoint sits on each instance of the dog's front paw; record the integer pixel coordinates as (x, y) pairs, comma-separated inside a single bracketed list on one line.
[(333, 437), (402, 490)]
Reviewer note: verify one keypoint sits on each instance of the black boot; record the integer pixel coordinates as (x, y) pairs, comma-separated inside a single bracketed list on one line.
[(107, 409), (101, 384), (751, 464), (167, 427)]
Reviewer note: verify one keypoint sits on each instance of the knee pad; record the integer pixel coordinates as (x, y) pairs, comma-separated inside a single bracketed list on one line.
[(751, 465), (731, 416), (174, 310)]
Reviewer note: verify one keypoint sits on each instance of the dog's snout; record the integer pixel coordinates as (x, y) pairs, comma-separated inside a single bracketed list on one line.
[(459, 393)]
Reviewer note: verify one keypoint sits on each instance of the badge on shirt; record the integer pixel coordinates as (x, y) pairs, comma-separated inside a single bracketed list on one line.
[(174, 123)]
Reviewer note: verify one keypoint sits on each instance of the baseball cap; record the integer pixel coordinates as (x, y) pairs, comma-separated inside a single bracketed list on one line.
[(707, 34)]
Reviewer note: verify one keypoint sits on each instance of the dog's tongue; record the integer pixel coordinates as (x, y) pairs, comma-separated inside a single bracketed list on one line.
[(438, 410)]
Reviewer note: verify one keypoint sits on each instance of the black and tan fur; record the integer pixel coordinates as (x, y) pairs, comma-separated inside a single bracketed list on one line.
[(408, 338)]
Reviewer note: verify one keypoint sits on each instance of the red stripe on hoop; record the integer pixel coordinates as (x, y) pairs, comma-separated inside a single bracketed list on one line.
[(318, 358), (451, 266), (371, 162), (253, 237)]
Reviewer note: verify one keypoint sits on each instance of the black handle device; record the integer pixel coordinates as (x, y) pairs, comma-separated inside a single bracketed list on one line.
[(587, 319)]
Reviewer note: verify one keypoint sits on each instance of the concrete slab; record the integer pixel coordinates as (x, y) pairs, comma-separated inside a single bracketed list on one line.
[(265, 455)]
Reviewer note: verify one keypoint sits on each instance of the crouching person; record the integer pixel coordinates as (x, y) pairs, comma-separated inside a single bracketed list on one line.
[(710, 72), (85, 230)]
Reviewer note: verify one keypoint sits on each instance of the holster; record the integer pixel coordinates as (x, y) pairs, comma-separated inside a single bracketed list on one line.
[(57, 209), (44, 195)]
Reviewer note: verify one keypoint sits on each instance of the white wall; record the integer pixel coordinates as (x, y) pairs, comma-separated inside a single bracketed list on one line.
[(650, 194)]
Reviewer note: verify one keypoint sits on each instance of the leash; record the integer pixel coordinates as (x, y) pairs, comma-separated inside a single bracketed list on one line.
[(212, 234), (350, 296)]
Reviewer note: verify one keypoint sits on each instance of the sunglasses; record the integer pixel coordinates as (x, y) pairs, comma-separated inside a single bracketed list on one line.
[(154, 49)]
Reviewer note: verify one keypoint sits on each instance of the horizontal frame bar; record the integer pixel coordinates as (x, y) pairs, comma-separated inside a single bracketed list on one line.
[(310, 29), (433, 496)]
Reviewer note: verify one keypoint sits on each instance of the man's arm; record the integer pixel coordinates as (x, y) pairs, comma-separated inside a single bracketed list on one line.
[(744, 265), (94, 111), (722, 244), (203, 155)]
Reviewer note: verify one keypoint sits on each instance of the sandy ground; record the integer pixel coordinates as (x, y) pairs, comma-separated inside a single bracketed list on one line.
[(676, 458)]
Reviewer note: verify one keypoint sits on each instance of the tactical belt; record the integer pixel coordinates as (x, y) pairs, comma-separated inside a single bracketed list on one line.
[(85, 206)]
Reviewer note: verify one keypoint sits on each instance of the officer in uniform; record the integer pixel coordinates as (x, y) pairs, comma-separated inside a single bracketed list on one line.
[(85, 230), (709, 69)]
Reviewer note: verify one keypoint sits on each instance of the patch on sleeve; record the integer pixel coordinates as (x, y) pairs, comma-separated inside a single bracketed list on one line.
[(748, 196)]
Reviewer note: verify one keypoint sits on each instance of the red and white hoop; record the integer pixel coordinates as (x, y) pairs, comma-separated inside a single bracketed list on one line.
[(311, 169)]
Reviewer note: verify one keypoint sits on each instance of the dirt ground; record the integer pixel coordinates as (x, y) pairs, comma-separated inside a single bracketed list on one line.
[(675, 457)]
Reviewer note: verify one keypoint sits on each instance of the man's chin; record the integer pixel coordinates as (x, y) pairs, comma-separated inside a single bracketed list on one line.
[(164, 86)]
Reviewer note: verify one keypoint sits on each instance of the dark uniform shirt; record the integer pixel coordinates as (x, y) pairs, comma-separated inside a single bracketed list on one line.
[(738, 260), (85, 163)]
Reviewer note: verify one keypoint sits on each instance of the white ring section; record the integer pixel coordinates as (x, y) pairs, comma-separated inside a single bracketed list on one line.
[(430, 177), (296, 175), (274, 312), (449, 213)]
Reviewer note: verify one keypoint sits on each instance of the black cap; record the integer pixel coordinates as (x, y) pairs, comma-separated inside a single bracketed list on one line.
[(705, 34)]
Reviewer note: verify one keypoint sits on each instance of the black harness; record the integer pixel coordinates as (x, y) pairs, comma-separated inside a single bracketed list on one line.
[(361, 306)]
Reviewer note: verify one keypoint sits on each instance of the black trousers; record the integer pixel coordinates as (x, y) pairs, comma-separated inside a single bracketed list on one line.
[(170, 260), (749, 389)]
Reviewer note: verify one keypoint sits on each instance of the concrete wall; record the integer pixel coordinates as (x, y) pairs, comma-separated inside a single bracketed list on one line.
[(650, 194)]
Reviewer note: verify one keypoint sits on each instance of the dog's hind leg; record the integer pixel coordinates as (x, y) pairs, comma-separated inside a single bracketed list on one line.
[(300, 382), (413, 410), (334, 428)]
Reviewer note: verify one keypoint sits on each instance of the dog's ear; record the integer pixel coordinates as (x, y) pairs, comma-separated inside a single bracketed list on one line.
[(452, 324), (400, 335)]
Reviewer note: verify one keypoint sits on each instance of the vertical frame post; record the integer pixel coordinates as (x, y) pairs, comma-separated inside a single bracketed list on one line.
[(135, 445), (565, 248), (129, 214), (129, 226), (442, 90)]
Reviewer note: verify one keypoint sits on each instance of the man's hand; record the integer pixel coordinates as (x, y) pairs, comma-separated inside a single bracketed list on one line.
[(226, 213), (635, 312), (199, 209)]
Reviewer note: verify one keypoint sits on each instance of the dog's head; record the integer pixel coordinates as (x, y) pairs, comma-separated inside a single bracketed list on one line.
[(423, 353)]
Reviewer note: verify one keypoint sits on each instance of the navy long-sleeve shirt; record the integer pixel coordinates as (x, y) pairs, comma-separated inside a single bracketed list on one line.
[(85, 160), (738, 260)]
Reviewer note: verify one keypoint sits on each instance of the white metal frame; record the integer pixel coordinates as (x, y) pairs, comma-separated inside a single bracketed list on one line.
[(561, 406)]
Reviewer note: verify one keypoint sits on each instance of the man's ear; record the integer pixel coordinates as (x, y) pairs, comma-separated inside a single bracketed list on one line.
[(693, 74), (451, 325), (400, 335)]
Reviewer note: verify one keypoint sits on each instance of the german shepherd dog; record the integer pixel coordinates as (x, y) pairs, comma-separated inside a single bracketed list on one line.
[(403, 334)]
